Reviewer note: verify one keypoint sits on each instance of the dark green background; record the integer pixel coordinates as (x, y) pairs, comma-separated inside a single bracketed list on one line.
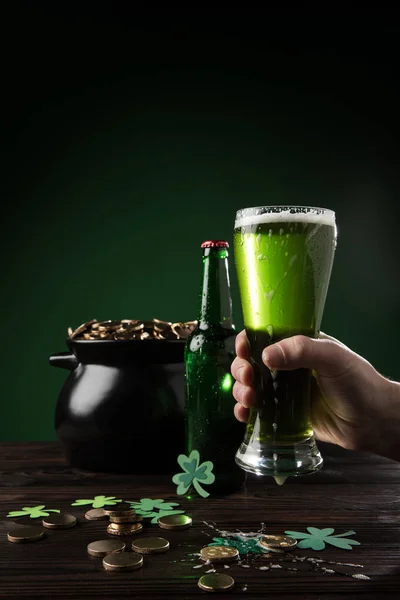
[(127, 143)]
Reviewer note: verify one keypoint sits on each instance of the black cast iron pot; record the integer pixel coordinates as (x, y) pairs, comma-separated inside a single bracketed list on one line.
[(121, 409)]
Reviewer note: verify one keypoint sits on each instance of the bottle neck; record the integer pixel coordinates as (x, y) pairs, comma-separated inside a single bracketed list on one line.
[(216, 303)]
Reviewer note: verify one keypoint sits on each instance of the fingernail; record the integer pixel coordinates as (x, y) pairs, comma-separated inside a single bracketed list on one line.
[(270, 356)]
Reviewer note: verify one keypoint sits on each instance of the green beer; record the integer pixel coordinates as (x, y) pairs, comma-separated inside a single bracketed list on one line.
[(284, 258), (211, 427)]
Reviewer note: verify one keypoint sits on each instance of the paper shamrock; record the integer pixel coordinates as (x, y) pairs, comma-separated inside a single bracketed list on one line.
[(97, 501), (34, 512), (154, 509), (194, 474), (244, 545), (317, 538)]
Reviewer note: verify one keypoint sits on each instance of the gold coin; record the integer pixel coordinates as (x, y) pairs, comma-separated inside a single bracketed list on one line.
[(82, 328), (25, 534), (59, 521), (216, 582), (278, 542), (123, 335), (150, 545), (109, 325), (124, 528), (183, 330), (219, 553), (130, 322), (125, 561), (122, 509), (175, 522), (104, 547), (129, 519), (161, 325), (96, 514)]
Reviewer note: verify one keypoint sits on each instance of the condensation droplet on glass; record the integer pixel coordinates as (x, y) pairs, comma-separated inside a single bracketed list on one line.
[(269, 295), (275, 456), (274, 426), (258, 238), (292, 260), (270, 330), (276, 399), (281, 231)]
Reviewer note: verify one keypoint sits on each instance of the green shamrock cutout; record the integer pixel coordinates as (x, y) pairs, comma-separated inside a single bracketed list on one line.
[(317, 538), (154, 509), (34, 512), (244, 546), (148, 504), (97, 501), (194, 474)]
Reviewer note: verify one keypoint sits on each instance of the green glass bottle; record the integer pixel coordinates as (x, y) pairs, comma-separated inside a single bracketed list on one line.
[(211, 427)]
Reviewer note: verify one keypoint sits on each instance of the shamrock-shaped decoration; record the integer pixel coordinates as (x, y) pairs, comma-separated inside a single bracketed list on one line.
[(194, 474), (154, 509), (317, 538), (34, 512), (97, 501), (244, 545)]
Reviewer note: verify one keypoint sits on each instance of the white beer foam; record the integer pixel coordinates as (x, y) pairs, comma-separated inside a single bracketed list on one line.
[(320, 216)]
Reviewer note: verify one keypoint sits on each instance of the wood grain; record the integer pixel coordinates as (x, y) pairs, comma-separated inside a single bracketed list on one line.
[(353, 491)]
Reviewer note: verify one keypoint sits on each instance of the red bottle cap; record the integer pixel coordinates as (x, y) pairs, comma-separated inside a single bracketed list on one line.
[(215, 244)]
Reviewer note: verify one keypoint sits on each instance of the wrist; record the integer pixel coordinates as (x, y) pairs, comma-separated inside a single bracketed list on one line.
[(388, 424)]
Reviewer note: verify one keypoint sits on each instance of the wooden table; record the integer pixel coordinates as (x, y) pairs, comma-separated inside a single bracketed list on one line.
[(353, 491)]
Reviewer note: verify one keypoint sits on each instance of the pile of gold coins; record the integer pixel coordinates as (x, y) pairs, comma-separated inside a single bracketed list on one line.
[(132, 329), (117, 556)]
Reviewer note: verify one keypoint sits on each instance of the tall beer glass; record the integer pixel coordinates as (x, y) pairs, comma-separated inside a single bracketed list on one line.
[(284, 257)]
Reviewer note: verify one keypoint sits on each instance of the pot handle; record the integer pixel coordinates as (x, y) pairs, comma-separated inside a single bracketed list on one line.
[(66, 360)]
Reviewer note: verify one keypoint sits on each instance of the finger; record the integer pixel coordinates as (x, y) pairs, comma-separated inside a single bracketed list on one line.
[(243, 394), (325, 336), (242, 371), (242, 345), (241, 413), (325, 356)]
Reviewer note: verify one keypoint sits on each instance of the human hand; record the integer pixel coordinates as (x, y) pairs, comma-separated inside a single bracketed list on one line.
[(352, 405)]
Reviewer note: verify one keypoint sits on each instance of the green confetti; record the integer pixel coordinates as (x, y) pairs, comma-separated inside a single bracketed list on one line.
[(194, 474), (97, 501), (244, 545), (316, 539), (34, 512)]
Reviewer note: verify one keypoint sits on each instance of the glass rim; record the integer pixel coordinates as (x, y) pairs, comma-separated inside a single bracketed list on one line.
[(257, 215), (284, 207)]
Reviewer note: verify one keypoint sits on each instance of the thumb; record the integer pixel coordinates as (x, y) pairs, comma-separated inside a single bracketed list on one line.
[(327, 357)]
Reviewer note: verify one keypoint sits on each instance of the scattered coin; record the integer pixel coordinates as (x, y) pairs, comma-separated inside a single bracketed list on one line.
[(59, 521), (216, 582), (150, 545), (278, 542), (25, 534), (96, 514), (127, 519), (219, 553), (124, 528), (104, 547), (175, 522), (119, 510), (124, 561)]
